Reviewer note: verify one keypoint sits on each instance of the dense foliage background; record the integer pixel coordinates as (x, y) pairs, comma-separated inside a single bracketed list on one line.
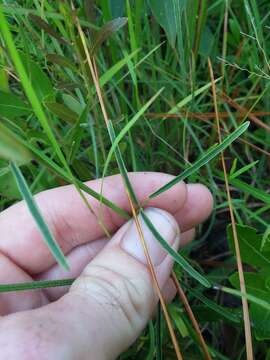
[(165, 44)]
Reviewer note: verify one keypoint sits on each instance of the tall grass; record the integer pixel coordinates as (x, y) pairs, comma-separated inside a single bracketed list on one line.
[(58, 69)]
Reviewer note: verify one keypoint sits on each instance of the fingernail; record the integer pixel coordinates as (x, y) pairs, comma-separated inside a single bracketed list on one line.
[(167, 227)]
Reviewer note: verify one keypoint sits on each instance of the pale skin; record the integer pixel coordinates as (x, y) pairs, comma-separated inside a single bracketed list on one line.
[(112, 299)]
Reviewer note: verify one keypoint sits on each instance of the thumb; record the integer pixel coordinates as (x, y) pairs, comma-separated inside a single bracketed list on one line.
[(115, 291)]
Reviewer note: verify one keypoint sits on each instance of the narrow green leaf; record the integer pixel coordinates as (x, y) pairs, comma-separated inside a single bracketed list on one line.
[(121, 165), (34, 210), (107, 76), (126, 128), (32, 285), (264, 304), (204, 159), (40, 23), (221, 310), (251, 190), (106, 31), (190, 97), (244, 169), (177, 257)]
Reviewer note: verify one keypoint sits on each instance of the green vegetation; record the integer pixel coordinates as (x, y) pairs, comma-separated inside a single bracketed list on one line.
[(152, 59)]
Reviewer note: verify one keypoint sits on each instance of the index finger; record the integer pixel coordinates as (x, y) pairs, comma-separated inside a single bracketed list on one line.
[(70, 220)]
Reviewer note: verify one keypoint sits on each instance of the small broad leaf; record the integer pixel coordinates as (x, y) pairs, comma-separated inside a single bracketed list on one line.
[(35, 212), (177, 316), (255, 285), (11, 106), (62, 112), (61, 61), (250, 246), (204, 159), (39, 79), (11, 149), (8, 186), (106, 31), (266, 240)]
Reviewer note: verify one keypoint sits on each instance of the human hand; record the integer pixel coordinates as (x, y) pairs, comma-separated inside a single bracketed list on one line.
[(113, 298)]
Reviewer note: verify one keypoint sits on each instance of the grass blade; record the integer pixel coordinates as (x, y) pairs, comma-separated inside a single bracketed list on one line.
[(28, 88), (264, 304), (247, 325), (251, 190), (32, 285), (204, 159), (191, 316), (34, 210), (188, 98)]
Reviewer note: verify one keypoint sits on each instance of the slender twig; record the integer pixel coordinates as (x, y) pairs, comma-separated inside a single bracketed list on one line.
[(155, 281), (205, 116), (248, 114), (205, 119), (191, 316), (247, 326)]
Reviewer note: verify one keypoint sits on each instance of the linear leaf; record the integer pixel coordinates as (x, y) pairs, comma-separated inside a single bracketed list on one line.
[(264, 304), (104, 79), (251, 190), (244, 169), (188, 98), (121, 165), (204, 159), (177, 257), (31, 285), (40, 23), (34, 210)]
